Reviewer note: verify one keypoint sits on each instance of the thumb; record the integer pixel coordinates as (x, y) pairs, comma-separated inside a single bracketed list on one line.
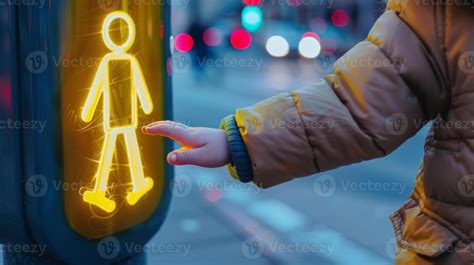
[(186, 156)]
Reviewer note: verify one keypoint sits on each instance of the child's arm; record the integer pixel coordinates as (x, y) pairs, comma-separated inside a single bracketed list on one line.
[(382, 92)]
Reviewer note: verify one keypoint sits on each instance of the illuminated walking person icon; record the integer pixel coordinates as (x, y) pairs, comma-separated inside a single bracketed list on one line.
[(127, 125)]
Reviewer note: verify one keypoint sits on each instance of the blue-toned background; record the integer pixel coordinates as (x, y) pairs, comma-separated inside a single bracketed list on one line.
[(229, 56)]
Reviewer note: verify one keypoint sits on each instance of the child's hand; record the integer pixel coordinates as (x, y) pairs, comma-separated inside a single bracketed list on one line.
[(203, 147)]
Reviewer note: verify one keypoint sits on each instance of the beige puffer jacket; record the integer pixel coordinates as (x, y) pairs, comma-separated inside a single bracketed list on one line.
[(417, 65)]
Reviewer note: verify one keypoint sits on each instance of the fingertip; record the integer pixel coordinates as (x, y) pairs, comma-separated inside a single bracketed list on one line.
[(173, 159), (152, 129)]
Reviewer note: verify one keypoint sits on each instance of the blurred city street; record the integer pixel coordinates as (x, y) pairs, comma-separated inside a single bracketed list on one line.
[(341, 217), (226, 55)]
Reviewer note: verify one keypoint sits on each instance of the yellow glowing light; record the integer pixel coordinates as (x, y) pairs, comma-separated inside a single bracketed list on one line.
[(101, 86)]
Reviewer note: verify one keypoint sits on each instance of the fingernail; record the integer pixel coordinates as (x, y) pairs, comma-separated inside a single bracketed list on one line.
[(145, 129), (173, 158)]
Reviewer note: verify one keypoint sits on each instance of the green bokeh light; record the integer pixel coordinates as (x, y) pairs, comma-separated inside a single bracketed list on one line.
[(252, 18)]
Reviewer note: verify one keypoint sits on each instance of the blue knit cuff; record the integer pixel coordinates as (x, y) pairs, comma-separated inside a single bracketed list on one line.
[(241, 166)]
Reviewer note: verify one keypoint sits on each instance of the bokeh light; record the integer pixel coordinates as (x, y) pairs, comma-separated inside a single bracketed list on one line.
[(212, 195), (252, 18), (277, 46), (184, 42), (212, 37), (340, 18), (309, 47), (319, 25), (312, 35), (252, 2), (240, 39), (329, 45), (5, 92)]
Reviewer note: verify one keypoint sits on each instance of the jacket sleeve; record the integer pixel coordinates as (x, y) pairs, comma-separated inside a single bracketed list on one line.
[(374, 102)]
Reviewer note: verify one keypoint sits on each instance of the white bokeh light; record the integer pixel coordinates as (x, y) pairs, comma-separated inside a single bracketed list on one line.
[(309, 47), (252, 18), (277, 46)]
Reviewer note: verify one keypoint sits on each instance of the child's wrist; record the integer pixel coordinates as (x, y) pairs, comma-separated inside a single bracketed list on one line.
[(227, 152), (240, 166)]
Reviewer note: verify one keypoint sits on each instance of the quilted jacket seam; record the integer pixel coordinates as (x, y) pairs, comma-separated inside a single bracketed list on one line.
[(296, 102)]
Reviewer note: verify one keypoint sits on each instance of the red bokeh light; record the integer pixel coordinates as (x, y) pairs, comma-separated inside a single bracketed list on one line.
[(184, 42), (5, 92), (312, 35), (212, 195), (240, 39), (212, 37), (329, 46), (252, 2), (340, 18)]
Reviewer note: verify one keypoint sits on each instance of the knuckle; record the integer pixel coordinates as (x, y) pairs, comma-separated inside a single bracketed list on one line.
[(185, 156)]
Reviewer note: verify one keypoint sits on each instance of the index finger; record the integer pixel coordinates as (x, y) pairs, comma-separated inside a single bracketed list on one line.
[(173, 130)]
